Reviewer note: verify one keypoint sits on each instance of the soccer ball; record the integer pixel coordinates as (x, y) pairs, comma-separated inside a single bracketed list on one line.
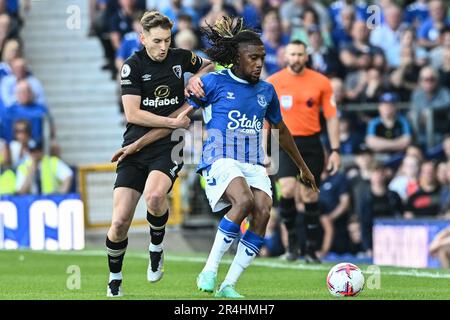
[(345, 280)]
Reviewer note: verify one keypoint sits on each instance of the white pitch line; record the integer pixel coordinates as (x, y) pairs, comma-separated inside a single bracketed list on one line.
[(268, 264)]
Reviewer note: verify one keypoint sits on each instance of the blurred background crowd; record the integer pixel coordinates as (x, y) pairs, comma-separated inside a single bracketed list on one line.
[(389, 65)]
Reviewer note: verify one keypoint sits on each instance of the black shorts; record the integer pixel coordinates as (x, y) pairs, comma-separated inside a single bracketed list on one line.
[(312, 152), (132, 172)]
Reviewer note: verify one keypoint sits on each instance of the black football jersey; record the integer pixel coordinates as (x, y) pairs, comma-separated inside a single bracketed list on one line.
[(160, 85)]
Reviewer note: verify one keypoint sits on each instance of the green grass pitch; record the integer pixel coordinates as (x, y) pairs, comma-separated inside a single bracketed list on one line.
[(54, 275)]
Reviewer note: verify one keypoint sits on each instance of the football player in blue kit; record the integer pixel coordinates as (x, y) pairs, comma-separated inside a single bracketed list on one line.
[(235, 103)]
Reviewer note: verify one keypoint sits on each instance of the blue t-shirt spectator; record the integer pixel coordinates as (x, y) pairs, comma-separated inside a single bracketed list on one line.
[(251, 16), (8, 90), (129, 45), (340, 37), (172, 15), (428, 31), (416, 13), (271, 62), (34, 113), (330, 191), (401, 127), (336, 7), (12, 6)]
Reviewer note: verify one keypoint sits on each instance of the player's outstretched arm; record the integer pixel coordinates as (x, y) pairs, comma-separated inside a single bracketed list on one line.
[(288, 144), (182, 114), (134, 114)]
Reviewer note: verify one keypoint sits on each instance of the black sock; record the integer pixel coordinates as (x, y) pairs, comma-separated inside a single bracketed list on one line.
[(288, 215), (157, 227), (116, 252), (312, 224)]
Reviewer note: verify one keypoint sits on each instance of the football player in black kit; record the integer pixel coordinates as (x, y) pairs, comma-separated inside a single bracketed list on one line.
[(152, 85)]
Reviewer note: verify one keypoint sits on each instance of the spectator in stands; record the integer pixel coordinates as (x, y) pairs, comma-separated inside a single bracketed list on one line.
[(43, 174), (341, 33), (377, 202), (7, 175), (426, 201), (5, 29), (445, 193), (274, 42), (359, 177), (354, 232), (431, 28), (390, 132), (429, 95), (387, 36), (214, 10), (406, 182), (359, 9), (349, 138), (4, 153), (10, 52), (404, 78), (27, 108), (446, 146), (185, 23), (334, 200), (415, 150), (360, 54), (416, 13), (437, 54), (441, 173), (322, 58), (444, 71), (176, 8), (440, 247), (253, 12), (9, 83), (130, 42), (292, 10), (121, 21), (310, 19), (19, 146)]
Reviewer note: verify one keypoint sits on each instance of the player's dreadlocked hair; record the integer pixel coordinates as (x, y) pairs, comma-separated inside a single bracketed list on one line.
[(225, 36)]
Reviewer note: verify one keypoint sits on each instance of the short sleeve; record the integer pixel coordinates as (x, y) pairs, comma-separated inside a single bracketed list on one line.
[(273, 113), (130, 80), (191, 61), (328, 102), (209, 83), (371, 127), (63, 171), (343, 186), (406, 129)]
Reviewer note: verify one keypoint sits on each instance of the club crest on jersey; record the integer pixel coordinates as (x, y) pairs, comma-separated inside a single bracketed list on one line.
[(126, 70), (177, 70), (262, 100)]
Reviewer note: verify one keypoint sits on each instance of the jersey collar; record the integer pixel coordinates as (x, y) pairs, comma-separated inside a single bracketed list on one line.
[(232, 75)]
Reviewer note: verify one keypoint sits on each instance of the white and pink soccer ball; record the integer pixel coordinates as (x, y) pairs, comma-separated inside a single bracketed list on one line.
[(345, 280)]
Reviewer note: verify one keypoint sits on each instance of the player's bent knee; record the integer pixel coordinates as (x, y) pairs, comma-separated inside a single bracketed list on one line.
[(155, 200), (245, 204)]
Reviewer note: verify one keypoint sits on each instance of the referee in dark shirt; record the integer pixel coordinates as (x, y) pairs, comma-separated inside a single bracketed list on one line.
[(152, 89)]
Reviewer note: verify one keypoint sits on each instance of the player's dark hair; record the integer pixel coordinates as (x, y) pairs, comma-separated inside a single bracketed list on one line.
[(152, 19), (225, 36)]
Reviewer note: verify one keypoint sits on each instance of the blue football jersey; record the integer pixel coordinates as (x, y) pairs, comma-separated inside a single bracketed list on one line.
[(234, 111)]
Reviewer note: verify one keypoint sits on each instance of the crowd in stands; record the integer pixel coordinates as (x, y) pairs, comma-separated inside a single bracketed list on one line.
[(29, 162)]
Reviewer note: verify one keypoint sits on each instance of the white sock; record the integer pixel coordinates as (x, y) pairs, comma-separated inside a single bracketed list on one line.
[(155, 247), (222, 243), (115, 276), (240, 262)]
